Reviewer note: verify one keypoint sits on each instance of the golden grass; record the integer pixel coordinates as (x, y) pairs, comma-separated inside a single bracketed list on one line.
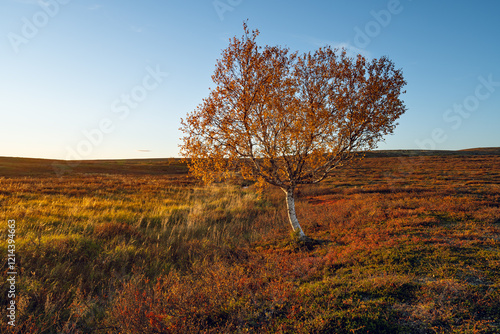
[(411, 245)]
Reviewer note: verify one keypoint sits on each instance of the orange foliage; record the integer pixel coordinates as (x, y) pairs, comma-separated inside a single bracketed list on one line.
[(292, 117), (286, 119)]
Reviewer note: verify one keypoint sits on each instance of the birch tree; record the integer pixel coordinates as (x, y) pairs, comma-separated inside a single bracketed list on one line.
[(287, 119)]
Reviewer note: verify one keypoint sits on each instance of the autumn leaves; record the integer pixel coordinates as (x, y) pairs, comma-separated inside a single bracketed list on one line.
[(286, 119)]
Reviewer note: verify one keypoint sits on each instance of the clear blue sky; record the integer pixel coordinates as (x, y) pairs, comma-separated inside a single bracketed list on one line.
[(88, 78)]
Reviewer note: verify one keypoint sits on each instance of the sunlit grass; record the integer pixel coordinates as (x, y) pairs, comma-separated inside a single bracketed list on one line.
[(406, 248)]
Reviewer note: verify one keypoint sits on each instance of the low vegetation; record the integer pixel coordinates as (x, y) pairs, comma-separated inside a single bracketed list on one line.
[(406, 245)]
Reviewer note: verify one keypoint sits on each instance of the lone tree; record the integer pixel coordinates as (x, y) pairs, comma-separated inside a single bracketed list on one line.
[(287, 119)]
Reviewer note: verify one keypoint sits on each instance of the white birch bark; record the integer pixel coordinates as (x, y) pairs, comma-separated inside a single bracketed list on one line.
[(290, 204)]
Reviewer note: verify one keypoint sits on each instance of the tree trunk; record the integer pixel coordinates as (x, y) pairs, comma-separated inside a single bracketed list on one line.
[(290, 204)]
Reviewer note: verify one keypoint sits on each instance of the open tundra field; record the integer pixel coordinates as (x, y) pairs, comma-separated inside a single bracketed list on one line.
[(410, 244)]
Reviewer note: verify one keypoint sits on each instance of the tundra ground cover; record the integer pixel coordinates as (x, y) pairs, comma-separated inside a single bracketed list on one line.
[(410, 245)]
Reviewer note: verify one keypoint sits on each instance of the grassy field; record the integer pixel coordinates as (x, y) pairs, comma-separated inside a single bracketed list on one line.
[(411, 244)]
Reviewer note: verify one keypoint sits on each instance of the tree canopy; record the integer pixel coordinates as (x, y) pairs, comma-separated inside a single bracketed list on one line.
[(287, 119)]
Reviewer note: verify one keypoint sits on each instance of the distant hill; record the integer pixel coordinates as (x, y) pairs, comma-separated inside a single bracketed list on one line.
[(45, 167), (14, 167), (409, 153), (483, 150)]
